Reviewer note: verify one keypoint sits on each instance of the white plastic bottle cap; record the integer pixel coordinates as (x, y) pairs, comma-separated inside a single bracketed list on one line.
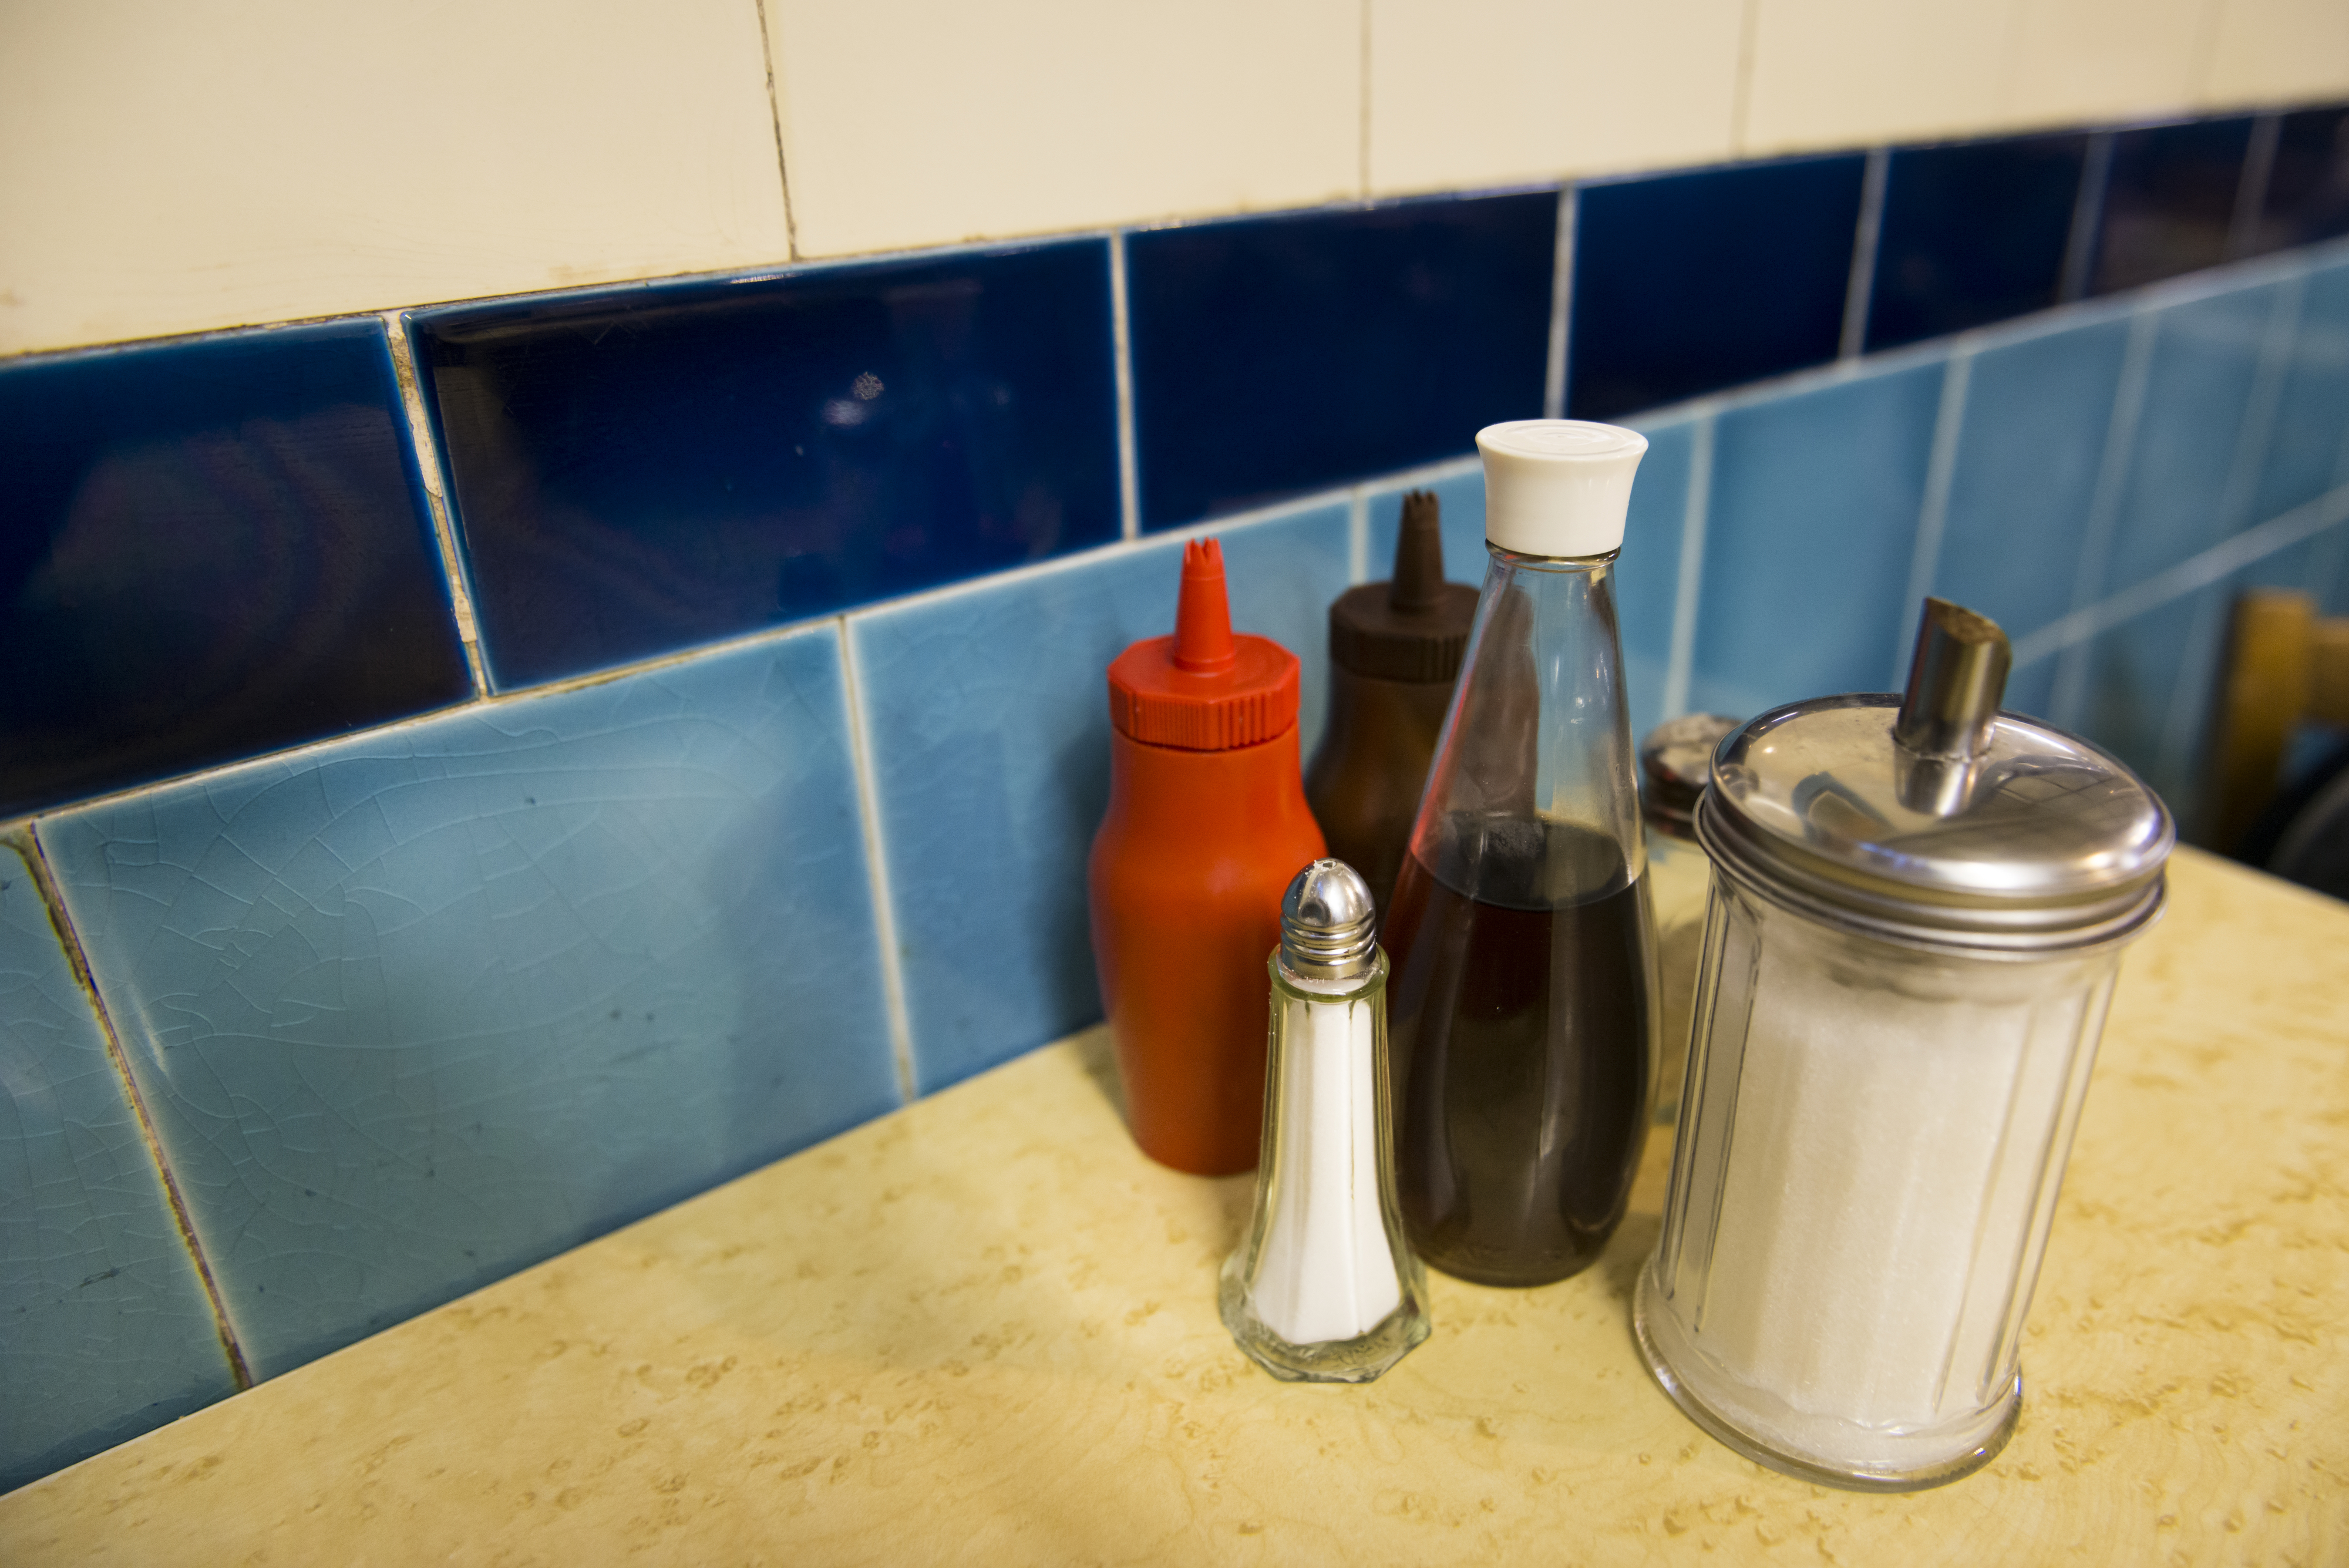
[(1557, 487)]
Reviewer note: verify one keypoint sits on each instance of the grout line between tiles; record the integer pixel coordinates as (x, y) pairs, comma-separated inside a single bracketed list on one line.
[(1120, 336), (876, 869), (2251, 188), (1933, 516), (28, 844), (1860, 291), (775, 114), (2104, 509), (1358, 536), (2280, 531), (2087, 217), (425, 452), (1695, 514), (1561, 306)]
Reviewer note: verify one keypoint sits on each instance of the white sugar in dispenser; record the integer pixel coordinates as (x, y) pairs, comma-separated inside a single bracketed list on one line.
[(1918, 910)]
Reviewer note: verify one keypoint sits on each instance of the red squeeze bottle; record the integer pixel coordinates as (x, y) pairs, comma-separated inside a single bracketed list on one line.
[(1206, 823)]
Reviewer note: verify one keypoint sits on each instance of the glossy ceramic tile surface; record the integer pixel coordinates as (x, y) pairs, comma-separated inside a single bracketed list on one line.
[(2307, 195), (209, 550), (988, 722), (2038, 410), (1648, 571), (2308, 445), (419, 1008), (2169, 201), (2198, 421), (1810, 541), (2132, 695), (1972, 233), (639, 471), (1278, 355), (1685, 284), (108, 1331)]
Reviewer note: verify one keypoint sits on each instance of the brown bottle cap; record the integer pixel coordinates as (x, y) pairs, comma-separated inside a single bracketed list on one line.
[(1413, 627)]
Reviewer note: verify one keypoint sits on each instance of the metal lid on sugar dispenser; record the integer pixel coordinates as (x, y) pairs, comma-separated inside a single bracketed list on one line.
[(1931, 816)]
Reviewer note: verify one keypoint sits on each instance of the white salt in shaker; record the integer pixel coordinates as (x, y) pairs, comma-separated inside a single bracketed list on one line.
[(1326, 1288), (1918, 910)]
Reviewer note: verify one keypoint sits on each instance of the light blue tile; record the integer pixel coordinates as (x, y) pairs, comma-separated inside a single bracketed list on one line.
[(989, 731), (2308, 452), (1810, 538), (2036, 417), (2198, 383), (106, 1332), (2031, 689), (2145, 679), (419, 1008)]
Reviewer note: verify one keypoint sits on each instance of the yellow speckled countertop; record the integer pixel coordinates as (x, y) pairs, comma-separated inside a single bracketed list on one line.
[(984, 1329)]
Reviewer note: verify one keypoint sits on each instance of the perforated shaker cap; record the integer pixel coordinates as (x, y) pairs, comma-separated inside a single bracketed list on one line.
[(1557, 487)]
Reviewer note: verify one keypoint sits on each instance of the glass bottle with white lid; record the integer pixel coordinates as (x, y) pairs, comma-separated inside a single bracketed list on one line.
[(1918, 913)]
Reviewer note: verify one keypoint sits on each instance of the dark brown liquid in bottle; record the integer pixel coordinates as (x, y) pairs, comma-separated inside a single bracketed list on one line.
[(1520, 1029)]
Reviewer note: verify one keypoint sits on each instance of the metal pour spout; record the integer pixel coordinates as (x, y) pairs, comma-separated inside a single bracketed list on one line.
[(1956, 677)]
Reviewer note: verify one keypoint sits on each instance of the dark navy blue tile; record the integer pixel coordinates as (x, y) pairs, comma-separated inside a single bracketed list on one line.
[(419, 1008), (988, 722), (1810, 541), (2038, 410), (1278, 355), (643, 470), (109, 1333), (209, 550), (1972, 233), (2169, 201), (2307, 195), (1684, 283)]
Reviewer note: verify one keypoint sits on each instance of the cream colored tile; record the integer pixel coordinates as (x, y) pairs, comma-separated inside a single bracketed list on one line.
[(1484, 92), (922, 123), (2107, 59), (2272, 51), (1842, 73), (168, 168)]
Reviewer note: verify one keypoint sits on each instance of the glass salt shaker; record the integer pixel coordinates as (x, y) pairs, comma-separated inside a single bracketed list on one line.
[(1326, 1288), (1918, 911)]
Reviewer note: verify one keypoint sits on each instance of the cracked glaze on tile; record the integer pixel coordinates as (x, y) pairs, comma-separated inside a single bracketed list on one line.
[(984, 1329), (104, 1329), (990, 733), (414, 1010)]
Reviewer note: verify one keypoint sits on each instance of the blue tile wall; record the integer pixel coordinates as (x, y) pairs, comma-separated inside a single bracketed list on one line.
[(1811, 540), (1273, 356), (455, 982), (2037, 415), (430, 1004), (989, 722), (641, 470), (1685, 284), (209, 550), (1972, 233), (107, 1330), (2307, 195), (2169, 201)]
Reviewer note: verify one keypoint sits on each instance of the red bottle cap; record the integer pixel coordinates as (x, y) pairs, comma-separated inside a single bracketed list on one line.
[(1203, 689)]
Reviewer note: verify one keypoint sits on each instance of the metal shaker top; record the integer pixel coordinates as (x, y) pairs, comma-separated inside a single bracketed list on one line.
[(1933, 817), (1326, 922)]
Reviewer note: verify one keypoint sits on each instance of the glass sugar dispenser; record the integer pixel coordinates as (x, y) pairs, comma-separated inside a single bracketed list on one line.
[(1918, 910), (1326, 1288)]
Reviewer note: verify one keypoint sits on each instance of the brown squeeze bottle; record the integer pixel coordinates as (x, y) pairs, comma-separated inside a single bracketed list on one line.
[(1394, 648), (1206, 825)]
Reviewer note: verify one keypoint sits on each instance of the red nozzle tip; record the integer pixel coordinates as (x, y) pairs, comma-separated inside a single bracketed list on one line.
[(1203, 616)]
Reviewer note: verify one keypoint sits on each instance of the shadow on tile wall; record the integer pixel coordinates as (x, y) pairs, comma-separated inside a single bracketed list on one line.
[(460, 981)]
